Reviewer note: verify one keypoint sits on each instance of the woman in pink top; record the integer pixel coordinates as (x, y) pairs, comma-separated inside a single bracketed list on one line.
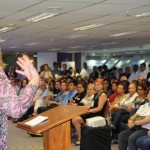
[(11, 104)]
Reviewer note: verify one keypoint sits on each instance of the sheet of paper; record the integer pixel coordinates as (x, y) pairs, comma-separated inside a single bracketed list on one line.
[(36, 120)]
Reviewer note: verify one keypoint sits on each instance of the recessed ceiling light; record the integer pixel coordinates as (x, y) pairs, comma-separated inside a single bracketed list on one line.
[(9, 27), (145, 14), (2, 40), (74, 36), (74, 47), (4, 29), (109, 43), (91, 26), (32, 44), (124, 33), (42, 16), (13, 47), (54, 49), (54, 8)]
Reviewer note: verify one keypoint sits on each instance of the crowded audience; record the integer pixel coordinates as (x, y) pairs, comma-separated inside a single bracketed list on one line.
[(126, 90)]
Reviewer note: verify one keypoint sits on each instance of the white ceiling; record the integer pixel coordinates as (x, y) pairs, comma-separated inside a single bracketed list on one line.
[(57, 34)]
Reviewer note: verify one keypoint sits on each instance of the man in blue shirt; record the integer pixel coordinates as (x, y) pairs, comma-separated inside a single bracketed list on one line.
[(72, 91)]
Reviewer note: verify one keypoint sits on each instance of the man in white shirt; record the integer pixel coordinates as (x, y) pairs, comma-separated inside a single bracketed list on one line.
[(135, 73), (85, 72), (143, 71)]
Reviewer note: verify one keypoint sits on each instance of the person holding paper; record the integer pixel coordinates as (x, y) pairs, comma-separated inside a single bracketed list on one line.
[(11, 104)]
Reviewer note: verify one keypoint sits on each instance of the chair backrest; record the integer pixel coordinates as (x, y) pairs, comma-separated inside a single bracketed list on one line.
[(106, 112)]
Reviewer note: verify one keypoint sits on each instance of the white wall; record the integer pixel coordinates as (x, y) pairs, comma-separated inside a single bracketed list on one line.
[(46, 58)]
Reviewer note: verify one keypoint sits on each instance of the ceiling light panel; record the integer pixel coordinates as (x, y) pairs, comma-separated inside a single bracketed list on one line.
[(124, 33), (141, 11), (7, 28), (32, 44), (87, 27), (12, 47), (144, 14), (2, 40), (42, 16), (75, 36)]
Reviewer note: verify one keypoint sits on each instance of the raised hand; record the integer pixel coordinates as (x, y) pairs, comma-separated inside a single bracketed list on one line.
[(28, 69)]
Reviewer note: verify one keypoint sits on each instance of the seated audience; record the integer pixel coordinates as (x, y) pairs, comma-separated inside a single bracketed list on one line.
[(20, 91), (22, 87), (114, 92), (139, 100), (58, 100), (135, 73), (37, 96), (127, 72), (143, 72), (81, 92), (56, 90), (56, 71), (97, 108), (138, 125), (64, 72), (71, 91), (95, 73), (140, 79), (144, 142), (89, 95), (121, 95), (130, 97), (41, 101), (107, 88), (46, 73), (86, 71)]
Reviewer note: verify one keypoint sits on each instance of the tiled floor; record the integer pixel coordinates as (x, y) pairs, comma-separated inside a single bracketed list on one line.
[(20, 140)]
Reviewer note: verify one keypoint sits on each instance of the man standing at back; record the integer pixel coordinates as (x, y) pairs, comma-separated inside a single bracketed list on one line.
[(86, 71), (143, 71), (135, 73)]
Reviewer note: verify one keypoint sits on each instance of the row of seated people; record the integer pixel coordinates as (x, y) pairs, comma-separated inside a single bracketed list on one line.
[(101, 71), (138, 131), (95, 97)]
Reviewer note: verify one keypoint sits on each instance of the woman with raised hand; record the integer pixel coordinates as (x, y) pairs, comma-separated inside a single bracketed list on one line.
[(11, 104)]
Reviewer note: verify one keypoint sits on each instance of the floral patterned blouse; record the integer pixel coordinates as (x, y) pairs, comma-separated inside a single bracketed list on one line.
[(12, 105)]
